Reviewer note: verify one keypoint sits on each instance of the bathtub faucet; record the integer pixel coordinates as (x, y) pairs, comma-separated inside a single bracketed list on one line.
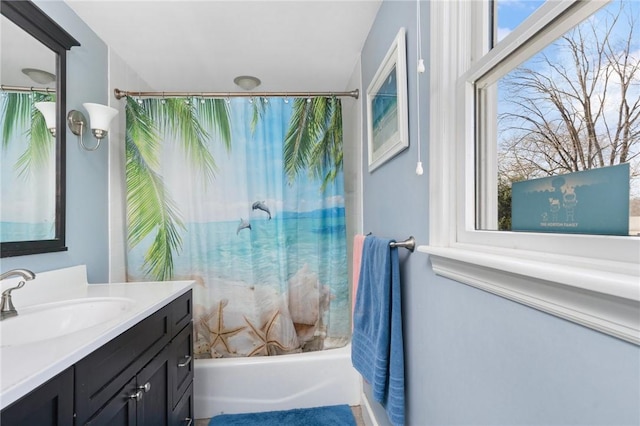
[(7, 309)]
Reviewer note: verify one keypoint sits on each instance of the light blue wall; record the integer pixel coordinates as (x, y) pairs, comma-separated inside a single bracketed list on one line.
[(471, 357), (87, 178)]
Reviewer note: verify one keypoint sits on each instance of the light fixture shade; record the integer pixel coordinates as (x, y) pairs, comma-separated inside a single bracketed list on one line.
[(48, 110), (100, 116), (39, 76), (247, 82)]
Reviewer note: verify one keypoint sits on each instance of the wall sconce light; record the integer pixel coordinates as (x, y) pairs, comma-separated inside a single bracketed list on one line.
[(48, 111), (100, 117)]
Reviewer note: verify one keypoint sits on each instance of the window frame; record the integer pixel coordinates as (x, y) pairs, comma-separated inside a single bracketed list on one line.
[(589, 279)]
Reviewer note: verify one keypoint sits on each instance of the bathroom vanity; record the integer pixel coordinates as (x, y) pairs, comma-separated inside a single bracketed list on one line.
[(131, 367)]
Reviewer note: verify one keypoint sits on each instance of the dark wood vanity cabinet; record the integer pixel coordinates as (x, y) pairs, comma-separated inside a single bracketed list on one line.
[(139, 377), (142, 377), (50, 404)]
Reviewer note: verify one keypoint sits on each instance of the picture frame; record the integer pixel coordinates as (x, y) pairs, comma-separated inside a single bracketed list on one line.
[(387, 115)]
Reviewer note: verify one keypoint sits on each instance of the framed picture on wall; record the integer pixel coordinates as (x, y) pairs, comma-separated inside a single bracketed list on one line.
[(387, 105)]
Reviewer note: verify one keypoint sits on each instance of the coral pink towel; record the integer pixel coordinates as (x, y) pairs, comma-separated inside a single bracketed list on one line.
[(358, 243)]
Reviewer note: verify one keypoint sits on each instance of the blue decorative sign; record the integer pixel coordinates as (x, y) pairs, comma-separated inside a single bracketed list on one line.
[(587, 202)]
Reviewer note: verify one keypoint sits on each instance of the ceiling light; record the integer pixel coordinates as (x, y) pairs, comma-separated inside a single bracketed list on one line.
[(39, 76), (247, 82)]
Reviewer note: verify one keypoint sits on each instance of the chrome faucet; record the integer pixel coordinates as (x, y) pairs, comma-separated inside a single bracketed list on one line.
[(7, 309)]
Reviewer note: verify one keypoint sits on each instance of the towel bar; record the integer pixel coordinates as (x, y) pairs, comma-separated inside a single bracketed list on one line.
[(409, 244)]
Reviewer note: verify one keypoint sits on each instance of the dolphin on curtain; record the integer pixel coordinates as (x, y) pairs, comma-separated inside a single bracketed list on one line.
[(243, 224), (260, 205)]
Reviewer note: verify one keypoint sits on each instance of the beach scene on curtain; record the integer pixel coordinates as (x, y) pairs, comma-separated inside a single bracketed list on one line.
[(246, 197)]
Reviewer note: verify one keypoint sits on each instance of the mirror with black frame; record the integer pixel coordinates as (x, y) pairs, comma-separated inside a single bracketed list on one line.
[(32, 148)]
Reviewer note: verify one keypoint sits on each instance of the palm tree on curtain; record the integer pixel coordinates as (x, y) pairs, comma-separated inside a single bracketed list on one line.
[(258, 108), (17, 112), (150, 208), (314, 139)]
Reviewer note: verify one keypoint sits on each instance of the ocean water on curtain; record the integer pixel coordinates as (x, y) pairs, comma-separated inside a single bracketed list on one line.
[(18, 231), (267, 250), (251, 258)]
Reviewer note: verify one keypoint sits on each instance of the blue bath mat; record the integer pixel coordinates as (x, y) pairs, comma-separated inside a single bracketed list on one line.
[(335, 415)]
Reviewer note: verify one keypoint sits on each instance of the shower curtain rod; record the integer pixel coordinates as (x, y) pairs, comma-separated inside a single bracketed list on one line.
[(6, 88), (119, 94)]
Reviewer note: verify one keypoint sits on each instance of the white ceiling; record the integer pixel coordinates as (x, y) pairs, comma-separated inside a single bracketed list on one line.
[(195, 46), (14, 42)]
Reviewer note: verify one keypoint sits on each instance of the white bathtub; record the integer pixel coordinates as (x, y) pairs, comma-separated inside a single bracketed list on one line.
[(244, 385)]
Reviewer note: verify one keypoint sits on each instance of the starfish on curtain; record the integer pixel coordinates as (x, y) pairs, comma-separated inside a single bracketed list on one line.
[(218, 333), (266, 344)]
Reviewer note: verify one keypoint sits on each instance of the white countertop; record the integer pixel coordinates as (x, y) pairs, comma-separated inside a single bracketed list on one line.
[(25, 367)]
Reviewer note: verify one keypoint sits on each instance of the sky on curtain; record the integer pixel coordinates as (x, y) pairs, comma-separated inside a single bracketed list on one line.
[(251, 154)]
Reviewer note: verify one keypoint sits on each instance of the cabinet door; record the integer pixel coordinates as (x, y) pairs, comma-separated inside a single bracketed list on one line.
[(183, 413), (119, 410), (181, 367), (106, 370), (49, 404), (153, 382)]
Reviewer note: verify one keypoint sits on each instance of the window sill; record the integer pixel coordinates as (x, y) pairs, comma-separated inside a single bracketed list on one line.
[(591, 296)]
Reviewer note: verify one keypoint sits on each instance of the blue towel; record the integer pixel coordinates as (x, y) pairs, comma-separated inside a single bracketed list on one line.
[(377, 348)]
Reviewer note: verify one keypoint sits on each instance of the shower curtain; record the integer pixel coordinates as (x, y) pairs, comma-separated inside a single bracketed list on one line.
[(27, 169), (245, 196)]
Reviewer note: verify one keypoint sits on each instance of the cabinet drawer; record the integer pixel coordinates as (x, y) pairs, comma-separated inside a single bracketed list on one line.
[(181, 313), (183, 413), (104, 372), (182, 363)]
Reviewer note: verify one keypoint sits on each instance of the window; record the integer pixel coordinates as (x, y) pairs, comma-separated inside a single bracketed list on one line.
[(485, 115), (569, 109), (508, 14)]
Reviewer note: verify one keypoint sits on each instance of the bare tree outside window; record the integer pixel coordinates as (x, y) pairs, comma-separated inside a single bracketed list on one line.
[(574, 106)]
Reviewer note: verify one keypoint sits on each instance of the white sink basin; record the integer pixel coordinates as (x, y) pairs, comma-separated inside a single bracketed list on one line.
[(51, 320)]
